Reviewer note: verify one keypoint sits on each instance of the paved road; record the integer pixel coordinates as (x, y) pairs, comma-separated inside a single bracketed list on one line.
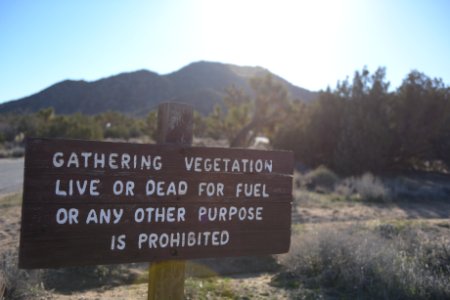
[(11, 175)]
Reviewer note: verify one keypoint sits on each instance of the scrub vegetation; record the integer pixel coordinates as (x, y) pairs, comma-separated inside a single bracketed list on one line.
[(370, 216), (379, 260), (359, 126), (344, 245)]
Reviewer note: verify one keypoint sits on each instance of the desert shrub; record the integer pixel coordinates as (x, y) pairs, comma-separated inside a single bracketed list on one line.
[(357, 263), (320, 179), (415, 187), (12, 151), (20, 284), (366, 188)]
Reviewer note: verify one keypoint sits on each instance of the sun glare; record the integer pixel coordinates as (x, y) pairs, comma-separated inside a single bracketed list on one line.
[(273, 32)]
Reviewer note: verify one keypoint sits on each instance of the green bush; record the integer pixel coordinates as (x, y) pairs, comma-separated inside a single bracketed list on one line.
[(361, 126)]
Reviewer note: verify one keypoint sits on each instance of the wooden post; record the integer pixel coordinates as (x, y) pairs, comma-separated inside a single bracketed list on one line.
[(166, 278)]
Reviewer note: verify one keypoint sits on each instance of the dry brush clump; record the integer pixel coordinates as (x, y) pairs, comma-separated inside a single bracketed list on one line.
[(320, 179), (40, 284), (19, 284), (385, 262), (372, 188), (366, 188)]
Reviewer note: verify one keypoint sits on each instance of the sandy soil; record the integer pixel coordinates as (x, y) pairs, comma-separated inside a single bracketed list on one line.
[(363, 212), (9, 228), (252, 286)]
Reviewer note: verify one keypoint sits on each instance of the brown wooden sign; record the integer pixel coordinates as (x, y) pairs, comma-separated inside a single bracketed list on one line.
[(89, 203)]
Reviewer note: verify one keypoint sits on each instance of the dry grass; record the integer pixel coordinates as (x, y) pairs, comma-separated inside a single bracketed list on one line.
[(20, 284), (10, 200), (351, 253)]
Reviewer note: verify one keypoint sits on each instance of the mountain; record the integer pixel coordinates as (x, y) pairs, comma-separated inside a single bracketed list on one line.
[(201, 84)]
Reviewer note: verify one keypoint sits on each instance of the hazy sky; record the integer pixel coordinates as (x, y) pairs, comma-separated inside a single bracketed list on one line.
[(310, 43)]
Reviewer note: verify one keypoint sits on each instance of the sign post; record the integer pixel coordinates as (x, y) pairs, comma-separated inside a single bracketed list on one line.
[(90, 203), (166, 278)]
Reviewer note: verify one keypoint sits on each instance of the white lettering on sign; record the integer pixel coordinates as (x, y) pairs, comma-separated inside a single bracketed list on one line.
[(183, 239), (231, 213), (77, 187), (118, 242), (162, 188), (112, 161), (200, 164), (69, 216), (160, 214), (120, 188), (251, 190), (210, 189), (58, 162), (104, 216)]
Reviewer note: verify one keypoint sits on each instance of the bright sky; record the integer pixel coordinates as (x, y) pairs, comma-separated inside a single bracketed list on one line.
[(312, 44)]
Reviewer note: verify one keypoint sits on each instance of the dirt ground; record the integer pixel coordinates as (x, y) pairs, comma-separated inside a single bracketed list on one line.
[(9, 227), (345, 212), (248, 286)]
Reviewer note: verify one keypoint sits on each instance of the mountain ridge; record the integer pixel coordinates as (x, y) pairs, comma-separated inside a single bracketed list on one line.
[(201, 84)]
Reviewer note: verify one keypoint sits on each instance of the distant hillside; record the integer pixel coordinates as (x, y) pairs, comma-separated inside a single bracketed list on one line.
[(201, 84)]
